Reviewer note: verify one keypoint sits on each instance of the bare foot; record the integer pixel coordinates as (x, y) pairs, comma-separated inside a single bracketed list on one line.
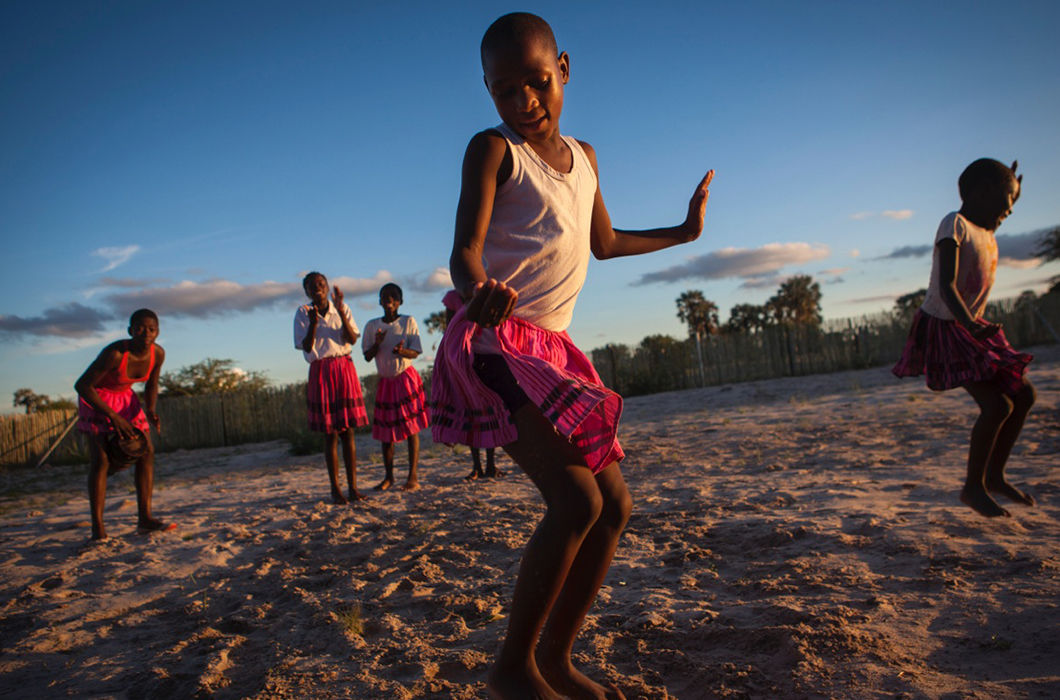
[(504, 684), (411, 485), (981, 502), (574, 684), (384, 484), (145, 525), (1009, 491), (337, 498), (494, 473), (472, 476), (356, 495)]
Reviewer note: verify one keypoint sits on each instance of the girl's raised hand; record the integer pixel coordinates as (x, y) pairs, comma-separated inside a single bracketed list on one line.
[(491, 303), (399, 347), (697, 207), (311, 312), (336, 295)]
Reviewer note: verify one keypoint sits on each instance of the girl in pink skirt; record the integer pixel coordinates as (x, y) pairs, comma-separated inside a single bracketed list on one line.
[(108, 408), (325, 333), (393, 341), (954, 346), (507, 374)]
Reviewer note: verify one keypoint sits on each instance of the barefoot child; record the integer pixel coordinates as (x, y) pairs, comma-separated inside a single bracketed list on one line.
[(108, 409), (325, 333), (507, 373), (400, 405), (953, 346), (452, 301)]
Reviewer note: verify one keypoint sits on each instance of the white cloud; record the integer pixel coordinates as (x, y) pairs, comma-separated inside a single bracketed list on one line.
[(115, 256), (862, 215), (897, 214), (854, 253), (752, 264)]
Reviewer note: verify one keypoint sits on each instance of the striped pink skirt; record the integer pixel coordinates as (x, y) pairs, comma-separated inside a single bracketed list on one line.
[(400, 407), (554, 374), (947, 354), (124, 402), (333, 396)]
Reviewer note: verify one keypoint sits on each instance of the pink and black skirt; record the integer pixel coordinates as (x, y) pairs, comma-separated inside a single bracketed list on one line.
[(949, 356), (123, 401), (333, 396), (400, 407), (549, 371)]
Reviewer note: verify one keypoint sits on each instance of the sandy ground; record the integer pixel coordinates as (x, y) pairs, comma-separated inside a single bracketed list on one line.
[(793, 538)]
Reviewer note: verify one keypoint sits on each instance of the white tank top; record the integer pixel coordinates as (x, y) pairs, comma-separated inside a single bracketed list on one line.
[(538, 235)]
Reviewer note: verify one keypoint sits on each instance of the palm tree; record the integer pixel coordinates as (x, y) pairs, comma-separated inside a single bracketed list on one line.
[(797, 302), (437, 321), (747, 318), (701, 317)]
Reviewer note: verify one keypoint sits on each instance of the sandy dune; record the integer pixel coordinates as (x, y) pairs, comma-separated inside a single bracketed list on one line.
[(791, 538)]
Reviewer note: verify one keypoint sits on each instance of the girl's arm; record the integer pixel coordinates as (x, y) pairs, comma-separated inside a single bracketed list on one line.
[(151, 389), (347, 328), (609, 242), (952, 298), (410, 347), (108, 360), (311, 331), (370, 351), (484, 165)]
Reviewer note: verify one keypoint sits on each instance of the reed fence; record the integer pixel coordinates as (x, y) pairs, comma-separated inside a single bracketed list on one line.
[(214, 420)]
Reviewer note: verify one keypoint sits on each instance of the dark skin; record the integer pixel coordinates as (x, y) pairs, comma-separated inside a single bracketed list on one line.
[(566, 559), (316, 288), (143, 333), (1001, 416), (390, 302)]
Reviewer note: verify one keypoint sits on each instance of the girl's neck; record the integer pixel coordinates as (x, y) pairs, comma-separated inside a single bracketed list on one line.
[(388, 318), (322, 308)]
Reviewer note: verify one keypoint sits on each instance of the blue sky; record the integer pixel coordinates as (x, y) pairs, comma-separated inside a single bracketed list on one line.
[(200, 157)]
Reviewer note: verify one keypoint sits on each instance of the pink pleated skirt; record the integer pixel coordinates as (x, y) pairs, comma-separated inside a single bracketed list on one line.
[(949, 356), (554, 374), (400, 407), (333, 396), (124, 402)]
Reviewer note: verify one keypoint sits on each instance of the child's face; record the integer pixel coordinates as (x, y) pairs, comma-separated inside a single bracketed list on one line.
[(317, 289), (526, 83), (144, 330), (991, 204), (390, 302)]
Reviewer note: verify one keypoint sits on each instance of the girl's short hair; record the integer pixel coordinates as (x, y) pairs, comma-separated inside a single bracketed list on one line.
[(985, 171), (311, 275), (141, 314), (391, 287)]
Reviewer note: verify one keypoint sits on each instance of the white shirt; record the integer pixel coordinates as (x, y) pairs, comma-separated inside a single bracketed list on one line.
[(976, 266), (329, 340), (538, 236), (403, 328)]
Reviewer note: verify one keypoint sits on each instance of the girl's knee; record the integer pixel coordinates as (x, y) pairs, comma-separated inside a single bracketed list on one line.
[(998, 409), (1025, 397), (580, 508), (618, 506)]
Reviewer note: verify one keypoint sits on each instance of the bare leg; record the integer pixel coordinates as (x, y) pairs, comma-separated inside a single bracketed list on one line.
[(1006, 438), (583, 582), (97, 485), (994, 410), (476, 465), (388, 464), (331, 458), (349, 456), (144, 476), (574, 504), (491, 464), (413, 482)]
